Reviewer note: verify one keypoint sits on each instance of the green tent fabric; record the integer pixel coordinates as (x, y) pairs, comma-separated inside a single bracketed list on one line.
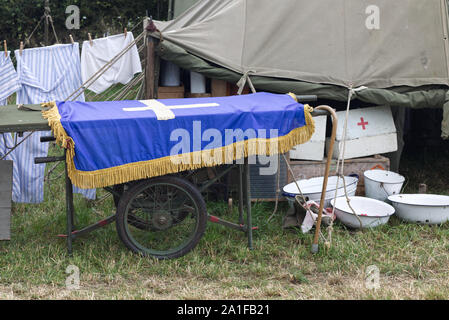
[(420, 97), (375, 43), (180, 7)]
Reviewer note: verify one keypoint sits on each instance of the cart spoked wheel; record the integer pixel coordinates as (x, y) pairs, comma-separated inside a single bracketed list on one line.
[(162, 217)]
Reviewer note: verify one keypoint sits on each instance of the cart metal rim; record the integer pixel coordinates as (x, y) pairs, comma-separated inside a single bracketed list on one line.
[(162, 252)]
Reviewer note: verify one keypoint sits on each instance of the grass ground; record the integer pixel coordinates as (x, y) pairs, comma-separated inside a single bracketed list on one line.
[(412, 259)]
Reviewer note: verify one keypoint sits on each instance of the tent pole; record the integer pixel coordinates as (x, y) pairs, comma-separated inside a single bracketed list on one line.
[(326, 175), (151, 68)]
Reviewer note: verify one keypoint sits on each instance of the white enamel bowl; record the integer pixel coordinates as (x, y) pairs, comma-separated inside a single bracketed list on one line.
[(380, 184), (421, 208), (370, 212), (312, 188)]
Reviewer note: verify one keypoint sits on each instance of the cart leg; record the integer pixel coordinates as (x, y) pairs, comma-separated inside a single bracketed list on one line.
[(241, 172), (248, 205), (69, 210)]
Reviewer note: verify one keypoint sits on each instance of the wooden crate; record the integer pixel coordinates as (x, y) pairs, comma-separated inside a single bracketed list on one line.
[(222, 88), (171, 92), (312, 169), (198, 95), (219, 88), (5, 199)]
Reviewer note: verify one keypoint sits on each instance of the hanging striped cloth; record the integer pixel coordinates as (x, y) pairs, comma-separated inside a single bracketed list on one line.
[(46, 74), (9, 83)]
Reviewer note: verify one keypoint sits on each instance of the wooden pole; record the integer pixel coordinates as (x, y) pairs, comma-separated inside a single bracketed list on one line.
[(151, 69), (423, 188), (326, 174)]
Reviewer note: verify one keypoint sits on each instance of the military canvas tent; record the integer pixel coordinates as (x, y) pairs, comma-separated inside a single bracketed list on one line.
[(397, 51), (176, 8)]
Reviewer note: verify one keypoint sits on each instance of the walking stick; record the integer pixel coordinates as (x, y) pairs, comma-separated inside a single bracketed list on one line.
[(326, 175)]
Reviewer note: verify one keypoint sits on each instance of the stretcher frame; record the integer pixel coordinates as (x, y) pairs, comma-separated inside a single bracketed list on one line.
[(29, 119)]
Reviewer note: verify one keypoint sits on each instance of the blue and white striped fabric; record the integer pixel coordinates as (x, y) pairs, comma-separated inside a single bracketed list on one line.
[(6, 144), (46, 74), (9, 83)]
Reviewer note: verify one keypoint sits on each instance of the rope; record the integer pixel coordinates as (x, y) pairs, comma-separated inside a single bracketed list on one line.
[(124, 91), (53, 27), (341, 154), (134, 28), (48, 17), (278, 189), (27, 40), (341, 159), (242, 82), (303, 198)]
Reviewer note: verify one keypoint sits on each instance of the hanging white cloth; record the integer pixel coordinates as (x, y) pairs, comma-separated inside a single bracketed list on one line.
[(46, 74), (94, 56)]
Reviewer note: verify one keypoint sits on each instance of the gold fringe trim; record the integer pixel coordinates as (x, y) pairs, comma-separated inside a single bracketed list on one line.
[(291, 94), (173, 164)]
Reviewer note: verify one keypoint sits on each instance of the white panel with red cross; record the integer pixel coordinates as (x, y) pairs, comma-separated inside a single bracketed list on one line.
[(370, 131), (366, 122)]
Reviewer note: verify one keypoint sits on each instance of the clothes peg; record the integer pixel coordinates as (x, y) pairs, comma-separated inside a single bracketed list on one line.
[(71, 39), (5, 46), (126, 32), (21, 47), (90, 39)]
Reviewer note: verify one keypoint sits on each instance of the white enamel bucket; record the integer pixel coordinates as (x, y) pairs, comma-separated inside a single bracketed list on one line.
[(380, 184)]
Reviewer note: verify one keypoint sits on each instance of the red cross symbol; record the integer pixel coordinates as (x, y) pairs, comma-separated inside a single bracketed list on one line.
[(363, 123)]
